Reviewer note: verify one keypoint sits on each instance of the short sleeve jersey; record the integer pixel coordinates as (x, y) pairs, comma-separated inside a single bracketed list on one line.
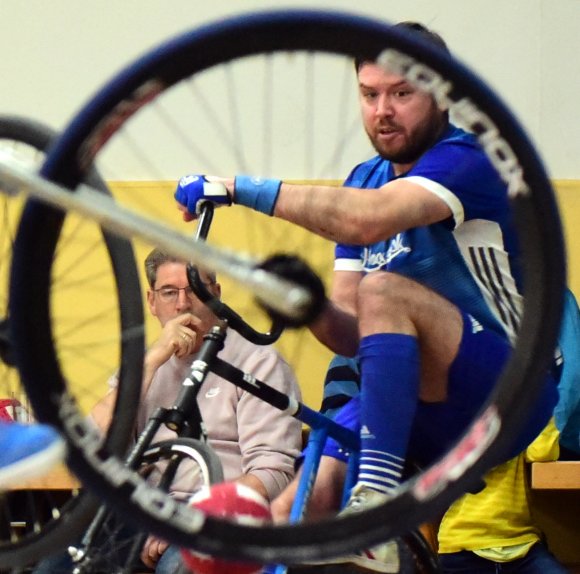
[(472, 259)]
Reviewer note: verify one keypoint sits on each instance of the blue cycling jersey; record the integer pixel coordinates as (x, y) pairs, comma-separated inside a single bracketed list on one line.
[(472, 259)]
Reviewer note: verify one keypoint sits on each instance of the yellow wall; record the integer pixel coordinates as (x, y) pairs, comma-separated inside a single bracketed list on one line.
[(83, 306)]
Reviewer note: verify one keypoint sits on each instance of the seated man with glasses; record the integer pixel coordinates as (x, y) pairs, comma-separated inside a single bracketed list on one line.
[(257, 444)]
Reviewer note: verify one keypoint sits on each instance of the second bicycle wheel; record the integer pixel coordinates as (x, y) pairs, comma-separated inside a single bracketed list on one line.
[(263, 94), (40, 517)]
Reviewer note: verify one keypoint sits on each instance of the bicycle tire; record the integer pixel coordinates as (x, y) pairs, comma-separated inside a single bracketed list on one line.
[(76, 513), (537, 223), (200, 452)]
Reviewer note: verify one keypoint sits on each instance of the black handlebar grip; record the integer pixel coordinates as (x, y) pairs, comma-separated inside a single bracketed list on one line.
[(298, 271)]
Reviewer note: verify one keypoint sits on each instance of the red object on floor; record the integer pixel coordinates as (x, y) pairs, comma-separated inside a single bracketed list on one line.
[(238, 503)]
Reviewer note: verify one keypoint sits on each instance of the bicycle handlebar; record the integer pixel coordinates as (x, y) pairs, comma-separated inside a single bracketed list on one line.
[(219, 308)]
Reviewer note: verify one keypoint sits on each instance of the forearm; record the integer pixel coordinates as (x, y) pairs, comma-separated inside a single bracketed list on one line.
[(255, 483), (336, 213), (360, 216), (342, 214), (102, 412), (337, 330), (326, 495), (331, 212)]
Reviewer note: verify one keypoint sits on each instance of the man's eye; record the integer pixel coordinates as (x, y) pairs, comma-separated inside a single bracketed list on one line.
[(169, 292)]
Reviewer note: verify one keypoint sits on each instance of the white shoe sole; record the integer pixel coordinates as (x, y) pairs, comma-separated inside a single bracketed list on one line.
[(367, 565), (362, 564)]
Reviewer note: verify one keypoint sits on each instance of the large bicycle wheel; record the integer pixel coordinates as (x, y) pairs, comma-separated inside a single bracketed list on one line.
[(36, 520), (254, 94)]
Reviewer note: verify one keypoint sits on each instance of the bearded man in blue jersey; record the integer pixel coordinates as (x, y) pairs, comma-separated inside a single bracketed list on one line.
[(427, 280)]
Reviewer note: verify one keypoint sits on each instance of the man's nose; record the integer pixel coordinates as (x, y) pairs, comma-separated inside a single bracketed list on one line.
[(384, 106), (183, 301)]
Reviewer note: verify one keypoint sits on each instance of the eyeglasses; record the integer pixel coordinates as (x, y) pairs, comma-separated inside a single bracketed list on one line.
[(171, 294)]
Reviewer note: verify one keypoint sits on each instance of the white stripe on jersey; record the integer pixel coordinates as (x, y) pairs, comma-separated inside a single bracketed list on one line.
[(348, 265), (488, 263), (443, 193)]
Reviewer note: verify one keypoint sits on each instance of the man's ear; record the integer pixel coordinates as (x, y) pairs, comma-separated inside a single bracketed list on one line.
[(151, 302)]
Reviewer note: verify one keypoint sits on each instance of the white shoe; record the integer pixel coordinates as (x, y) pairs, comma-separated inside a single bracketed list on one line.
[(381, 558)]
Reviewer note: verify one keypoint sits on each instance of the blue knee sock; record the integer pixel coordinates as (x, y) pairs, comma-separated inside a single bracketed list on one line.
[(389, 397)]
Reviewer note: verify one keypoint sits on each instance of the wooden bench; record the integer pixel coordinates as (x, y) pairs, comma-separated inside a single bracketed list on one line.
[(58, 478), (558, 475), (555, 503)]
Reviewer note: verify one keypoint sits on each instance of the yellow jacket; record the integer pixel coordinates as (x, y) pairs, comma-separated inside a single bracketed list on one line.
[(499, 516)]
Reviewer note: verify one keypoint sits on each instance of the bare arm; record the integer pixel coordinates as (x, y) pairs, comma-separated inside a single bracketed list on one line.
[(102, 412), (337, 326), (255, 483), (351, 215), (326, 494), (360, 216)]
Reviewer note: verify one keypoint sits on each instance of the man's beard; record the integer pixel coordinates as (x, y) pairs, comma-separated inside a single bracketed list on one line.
[(420, 141)]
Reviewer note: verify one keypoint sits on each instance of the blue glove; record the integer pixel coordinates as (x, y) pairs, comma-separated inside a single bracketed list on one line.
[(194, 190)]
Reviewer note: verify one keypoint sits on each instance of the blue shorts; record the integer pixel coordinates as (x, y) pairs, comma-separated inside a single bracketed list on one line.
[(472, 377)]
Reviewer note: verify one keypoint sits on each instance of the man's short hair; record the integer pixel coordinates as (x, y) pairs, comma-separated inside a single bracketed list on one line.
[(425, 33), (421, 31), (157, 257)]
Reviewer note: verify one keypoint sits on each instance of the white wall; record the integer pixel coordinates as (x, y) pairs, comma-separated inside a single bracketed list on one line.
[(56, 53)]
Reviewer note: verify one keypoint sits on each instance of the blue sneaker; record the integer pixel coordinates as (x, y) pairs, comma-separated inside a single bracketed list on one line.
[(27, 451)]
